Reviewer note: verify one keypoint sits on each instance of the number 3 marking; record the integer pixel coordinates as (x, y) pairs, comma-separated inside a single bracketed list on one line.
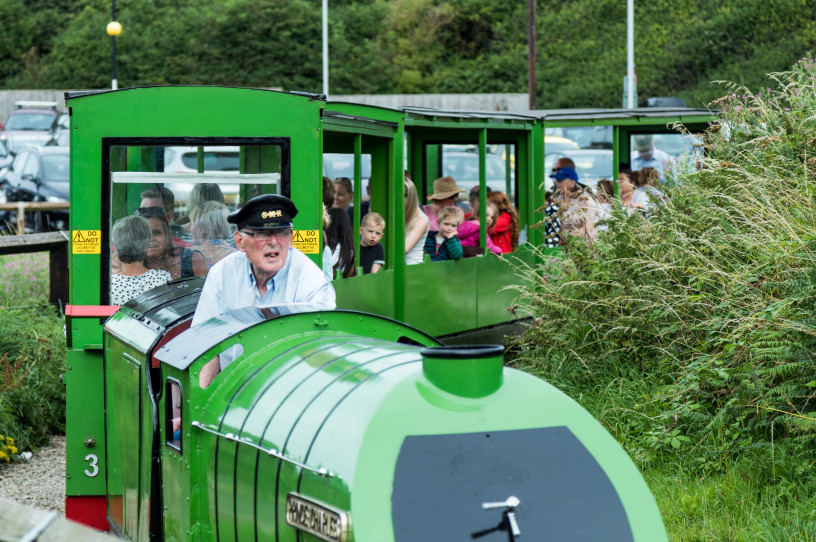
[(94, 468)]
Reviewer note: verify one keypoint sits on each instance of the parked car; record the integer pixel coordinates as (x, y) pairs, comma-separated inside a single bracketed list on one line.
[(458, 161), (553, 143), (38, 174), (5, 156), (185, 159), (463, 166), (216, 160), (59, 132), (29, 124), (591, 165)]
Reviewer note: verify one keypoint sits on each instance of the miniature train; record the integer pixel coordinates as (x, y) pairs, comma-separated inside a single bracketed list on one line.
[(127, 141), (341, 426)]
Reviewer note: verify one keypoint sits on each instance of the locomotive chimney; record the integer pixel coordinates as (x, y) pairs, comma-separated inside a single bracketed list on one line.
[(467, 371)]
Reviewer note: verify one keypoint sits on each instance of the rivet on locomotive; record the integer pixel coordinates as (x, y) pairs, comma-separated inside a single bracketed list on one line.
[(344, 426)]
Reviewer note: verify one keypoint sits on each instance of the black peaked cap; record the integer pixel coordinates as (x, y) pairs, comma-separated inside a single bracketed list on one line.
[(265, 212)]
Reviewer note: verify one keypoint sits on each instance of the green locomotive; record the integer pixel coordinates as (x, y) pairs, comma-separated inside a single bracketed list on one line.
[(249, 141), (344, 426)]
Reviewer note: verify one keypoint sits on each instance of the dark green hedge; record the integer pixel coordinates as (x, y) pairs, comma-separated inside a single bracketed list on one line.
[(410, 46)]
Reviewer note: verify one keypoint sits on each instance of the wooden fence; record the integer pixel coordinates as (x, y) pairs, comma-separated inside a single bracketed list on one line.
[(23, 206), (56, 244)]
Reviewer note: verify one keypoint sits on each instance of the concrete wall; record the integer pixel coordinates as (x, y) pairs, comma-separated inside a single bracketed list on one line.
[(465, 102)]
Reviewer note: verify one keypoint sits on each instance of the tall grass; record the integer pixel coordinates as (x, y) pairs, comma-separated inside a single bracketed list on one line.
[(692, 335), (32, 353)]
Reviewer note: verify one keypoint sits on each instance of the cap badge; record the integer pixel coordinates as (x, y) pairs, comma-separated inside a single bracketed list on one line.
[(272, 214)]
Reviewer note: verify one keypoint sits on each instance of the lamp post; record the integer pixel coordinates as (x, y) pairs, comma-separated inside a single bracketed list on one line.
[(326, 48), (113, 29)]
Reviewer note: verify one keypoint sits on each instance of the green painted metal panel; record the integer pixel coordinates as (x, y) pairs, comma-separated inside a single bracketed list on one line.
[(84, 463), (494, 275), (177, 489), (129, 451), (373, 293), (288, 356), (522, 402), (440, 296)]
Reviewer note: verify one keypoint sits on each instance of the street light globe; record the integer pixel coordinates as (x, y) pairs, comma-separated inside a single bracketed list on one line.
[(113, 28)]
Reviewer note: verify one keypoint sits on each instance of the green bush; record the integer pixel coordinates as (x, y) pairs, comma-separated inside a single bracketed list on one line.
[(32, 354), (702, 319)]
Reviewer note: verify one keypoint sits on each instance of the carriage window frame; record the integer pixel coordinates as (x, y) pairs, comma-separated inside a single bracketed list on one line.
[(171, 443), (106, 178), (500, 144)]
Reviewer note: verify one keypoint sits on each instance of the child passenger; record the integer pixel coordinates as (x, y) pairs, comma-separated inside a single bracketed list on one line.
[(372, 254), (444, 244)]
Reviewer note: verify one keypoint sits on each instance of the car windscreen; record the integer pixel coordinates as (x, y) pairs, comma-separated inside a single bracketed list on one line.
[(29, 121), (227, 160)]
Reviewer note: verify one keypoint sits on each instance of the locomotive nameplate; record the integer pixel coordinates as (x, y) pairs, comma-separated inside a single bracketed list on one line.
[(316, 518)]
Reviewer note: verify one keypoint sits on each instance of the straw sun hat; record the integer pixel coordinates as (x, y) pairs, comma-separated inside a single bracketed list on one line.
[(443, 188)]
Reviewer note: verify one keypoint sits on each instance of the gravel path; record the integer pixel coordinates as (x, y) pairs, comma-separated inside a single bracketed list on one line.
[(40, 481)]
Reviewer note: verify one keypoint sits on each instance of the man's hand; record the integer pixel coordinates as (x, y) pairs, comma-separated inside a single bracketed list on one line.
[(209, 372)]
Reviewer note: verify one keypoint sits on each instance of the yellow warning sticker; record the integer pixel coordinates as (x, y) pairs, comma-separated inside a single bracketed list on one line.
[(306, 241), (86, 242)]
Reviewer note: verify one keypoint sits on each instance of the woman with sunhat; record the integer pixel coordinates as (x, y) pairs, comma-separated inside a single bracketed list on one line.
[(446, 194)]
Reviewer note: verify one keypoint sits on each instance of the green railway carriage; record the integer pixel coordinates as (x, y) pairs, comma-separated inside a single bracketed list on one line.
[(467, 297), (132, 370)]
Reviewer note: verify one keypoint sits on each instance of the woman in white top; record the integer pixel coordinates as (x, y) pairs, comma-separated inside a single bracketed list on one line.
[(131, 236), (416, 225)]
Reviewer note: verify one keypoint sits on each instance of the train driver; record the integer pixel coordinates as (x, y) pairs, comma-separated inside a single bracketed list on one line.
[(266, 270)]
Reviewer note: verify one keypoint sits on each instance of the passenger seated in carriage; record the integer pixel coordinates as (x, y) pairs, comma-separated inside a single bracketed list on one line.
[(161, 253), (162, 197), (372, 253), (210, 234), (131, 236)]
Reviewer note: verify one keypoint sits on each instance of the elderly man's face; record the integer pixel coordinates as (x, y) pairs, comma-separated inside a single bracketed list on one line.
[(646, 154), (266, 249)]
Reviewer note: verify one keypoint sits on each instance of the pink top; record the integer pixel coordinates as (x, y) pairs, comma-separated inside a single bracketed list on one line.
[(468, 233)]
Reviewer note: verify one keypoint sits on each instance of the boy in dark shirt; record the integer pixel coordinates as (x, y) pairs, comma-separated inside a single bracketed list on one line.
[(372, 254)]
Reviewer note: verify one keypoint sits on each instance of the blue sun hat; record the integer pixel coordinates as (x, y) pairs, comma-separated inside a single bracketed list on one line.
[(565, 173)]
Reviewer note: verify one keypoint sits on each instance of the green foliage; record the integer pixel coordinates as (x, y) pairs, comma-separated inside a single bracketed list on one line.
[(690, 336), (32, 396), (762, 497), (408, 46), (701, 320)]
